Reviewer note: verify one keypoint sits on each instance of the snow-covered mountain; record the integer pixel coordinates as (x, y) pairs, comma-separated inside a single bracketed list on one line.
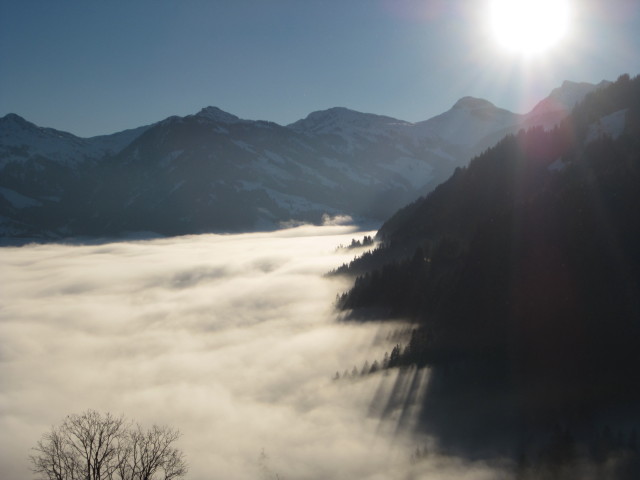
[(347, 124), (565, 97), (213, 171), (22, 141), (469, 121), (560, 102)]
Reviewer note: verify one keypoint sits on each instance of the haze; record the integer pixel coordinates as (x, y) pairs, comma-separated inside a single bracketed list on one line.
[(231, 339)]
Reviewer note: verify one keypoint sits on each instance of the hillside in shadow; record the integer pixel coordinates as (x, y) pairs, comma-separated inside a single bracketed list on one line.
[(521, 274)]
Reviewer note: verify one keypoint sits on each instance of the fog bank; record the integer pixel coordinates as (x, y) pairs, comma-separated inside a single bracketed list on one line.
[(230, 339)]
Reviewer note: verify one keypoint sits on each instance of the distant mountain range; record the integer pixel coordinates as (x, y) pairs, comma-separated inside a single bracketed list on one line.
[(214, 172)]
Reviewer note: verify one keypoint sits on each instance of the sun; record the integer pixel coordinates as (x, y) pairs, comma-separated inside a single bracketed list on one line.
[(529, 27)]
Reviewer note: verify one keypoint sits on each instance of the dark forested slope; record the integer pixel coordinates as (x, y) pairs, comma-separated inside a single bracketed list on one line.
[(522, 274)]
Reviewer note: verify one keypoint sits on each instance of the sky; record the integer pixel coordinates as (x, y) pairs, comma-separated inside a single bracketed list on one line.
[(95, 68), (231, 339)]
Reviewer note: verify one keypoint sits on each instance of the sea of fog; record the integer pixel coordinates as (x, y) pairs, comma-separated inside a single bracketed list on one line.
[(232, 339)]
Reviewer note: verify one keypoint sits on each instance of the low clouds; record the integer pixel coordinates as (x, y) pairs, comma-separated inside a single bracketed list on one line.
[(328, 220), (231, 339)]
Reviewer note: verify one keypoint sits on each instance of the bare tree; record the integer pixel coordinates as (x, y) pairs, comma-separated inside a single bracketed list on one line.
[(54, 459), (92, 446), (150, 454)]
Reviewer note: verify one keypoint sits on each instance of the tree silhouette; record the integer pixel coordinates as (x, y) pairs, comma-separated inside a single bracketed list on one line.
[(95, 446)]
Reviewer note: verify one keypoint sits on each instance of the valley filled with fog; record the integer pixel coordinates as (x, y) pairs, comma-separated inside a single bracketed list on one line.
[(232, 339)]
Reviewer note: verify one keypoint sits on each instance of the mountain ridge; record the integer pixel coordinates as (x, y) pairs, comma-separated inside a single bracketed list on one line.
[(246, 174), (579, 88)]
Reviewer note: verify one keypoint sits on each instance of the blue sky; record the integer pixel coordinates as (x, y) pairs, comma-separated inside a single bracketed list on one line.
[(96, 67)]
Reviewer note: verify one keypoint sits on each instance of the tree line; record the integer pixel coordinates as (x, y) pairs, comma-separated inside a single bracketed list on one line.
[(523, 280)]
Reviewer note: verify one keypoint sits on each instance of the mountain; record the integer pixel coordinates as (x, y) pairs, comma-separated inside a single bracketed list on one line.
[(475, 118), (214, 172), (521, 275), (347, 123), (560, 102), (566, 97), (22, 141), (41, 172)]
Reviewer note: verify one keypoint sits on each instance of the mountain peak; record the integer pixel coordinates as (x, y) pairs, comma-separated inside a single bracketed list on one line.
[(469, 121), (341, 119), (565, 97), (12, 118), (472, 103), (571, 92), (217, 115), (13, 127), (333, 113)]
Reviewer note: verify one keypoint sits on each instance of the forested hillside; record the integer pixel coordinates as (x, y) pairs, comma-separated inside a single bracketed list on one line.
[(522, 275)]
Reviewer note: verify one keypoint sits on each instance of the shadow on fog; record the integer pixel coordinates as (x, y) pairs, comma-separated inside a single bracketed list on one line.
[(471, 412), (466, 420), (398, 397)]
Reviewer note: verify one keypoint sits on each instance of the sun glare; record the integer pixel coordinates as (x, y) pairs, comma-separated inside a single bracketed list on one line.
[(529, 27)]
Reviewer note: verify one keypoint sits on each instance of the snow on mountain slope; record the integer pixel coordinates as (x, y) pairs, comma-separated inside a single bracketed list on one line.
[(212, 171), (344, 122), (551, 110), (214, 114), (612, 125), (548, 113), (353, 127), (261, 172), (412, 170), (566, 96), (17, 200), (469, 120), (111, 144), (21, 140)]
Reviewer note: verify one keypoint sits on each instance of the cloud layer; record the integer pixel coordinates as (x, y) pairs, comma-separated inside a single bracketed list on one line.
[(231, 339)]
